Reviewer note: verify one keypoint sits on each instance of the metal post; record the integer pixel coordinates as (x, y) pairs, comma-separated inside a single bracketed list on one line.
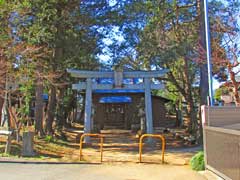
[(91, 135), (101, 147), (154, 136), (208, 48)]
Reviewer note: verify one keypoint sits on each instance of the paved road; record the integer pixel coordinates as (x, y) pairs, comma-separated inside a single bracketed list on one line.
[(128, 171)]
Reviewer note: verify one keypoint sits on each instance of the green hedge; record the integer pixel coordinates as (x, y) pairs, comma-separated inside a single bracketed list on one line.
[(197, 161)]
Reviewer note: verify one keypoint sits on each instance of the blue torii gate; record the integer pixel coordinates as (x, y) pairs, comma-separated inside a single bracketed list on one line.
[(118, 76)]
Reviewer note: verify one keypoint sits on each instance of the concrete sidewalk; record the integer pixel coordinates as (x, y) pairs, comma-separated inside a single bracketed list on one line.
[(110, 171)]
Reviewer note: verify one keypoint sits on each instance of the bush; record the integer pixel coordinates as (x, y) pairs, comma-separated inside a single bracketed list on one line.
[(197, 161)]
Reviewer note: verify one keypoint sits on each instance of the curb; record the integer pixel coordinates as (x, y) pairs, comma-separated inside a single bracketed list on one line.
[(209, 175)]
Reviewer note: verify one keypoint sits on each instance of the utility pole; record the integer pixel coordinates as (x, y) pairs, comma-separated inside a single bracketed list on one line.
[(208, 48)]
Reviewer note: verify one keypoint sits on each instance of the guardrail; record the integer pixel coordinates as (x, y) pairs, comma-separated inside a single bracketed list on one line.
[(92, 135), (153, 136)]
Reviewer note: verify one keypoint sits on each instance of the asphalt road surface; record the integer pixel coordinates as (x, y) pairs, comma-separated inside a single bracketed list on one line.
[(121, 171)]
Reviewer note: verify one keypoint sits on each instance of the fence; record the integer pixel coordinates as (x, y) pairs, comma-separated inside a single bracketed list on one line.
[(222, 140)]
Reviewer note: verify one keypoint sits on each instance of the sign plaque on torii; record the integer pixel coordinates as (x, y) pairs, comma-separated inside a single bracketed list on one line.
[(118, 77)]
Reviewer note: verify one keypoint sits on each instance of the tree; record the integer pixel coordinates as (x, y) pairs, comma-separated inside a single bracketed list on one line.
[(58, 32), (226, 54), (5, 44), (222, 90), (59, 35), (170, 35), (224, 35), (163, 45)]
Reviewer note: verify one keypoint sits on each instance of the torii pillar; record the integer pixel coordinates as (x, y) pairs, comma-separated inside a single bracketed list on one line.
[(88, 109), (148, 105)]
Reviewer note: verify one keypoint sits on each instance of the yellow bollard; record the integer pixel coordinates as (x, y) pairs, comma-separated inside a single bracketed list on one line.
[(91, 135), (154, 136)]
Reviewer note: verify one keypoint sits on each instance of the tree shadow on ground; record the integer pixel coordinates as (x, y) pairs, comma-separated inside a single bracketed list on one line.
[(15, 149)]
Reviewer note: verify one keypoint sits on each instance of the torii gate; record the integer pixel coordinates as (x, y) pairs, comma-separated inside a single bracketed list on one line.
[(118, 76)]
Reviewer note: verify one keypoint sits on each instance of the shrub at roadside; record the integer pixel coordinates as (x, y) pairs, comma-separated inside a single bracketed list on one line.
[(197, 162)]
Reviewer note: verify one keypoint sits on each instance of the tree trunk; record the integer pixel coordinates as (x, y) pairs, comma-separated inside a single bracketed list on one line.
[(189, 97), (61, 121), (39, 104), (1, 107), (51, 110), (2, 85), (70, 109), (193, 118), (187, 92)]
